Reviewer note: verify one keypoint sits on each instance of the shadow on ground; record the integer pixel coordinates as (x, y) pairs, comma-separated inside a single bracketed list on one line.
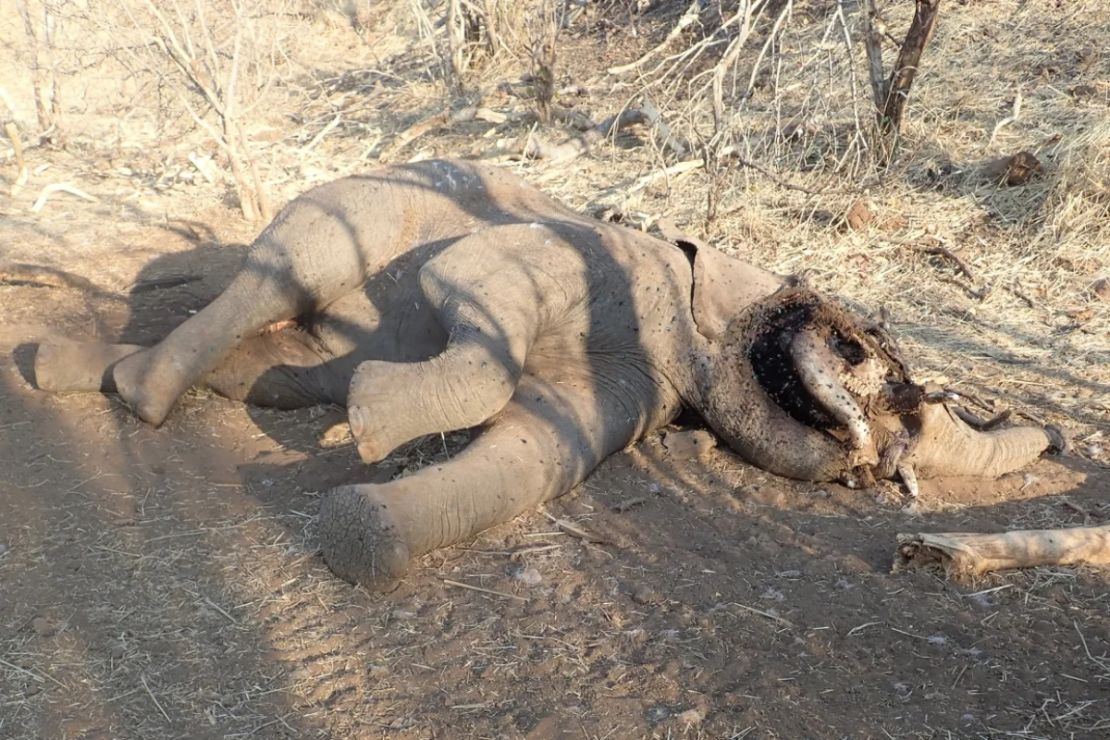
[(166, 583)]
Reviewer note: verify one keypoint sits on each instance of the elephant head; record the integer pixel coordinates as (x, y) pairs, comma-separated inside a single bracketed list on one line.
[(802, 387)]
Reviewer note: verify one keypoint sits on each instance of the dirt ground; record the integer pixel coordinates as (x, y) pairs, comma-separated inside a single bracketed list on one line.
[(159, 583), (165, 583)]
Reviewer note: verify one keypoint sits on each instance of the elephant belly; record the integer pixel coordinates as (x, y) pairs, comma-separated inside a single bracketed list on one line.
[(387, 318), (619, 376)]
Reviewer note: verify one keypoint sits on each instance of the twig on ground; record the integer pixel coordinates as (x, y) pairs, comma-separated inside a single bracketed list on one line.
[(153, 698), (423, 126), (1015, 114), (479, 589), (939, 250), (1017, 291), (625, 189), (322, 133), (221, 610), (576, 531), (675, 169), (531, 550), (61, 187), (768, 615), (685, 21), (38, 676), (1100, 662), (948, 254), (730, 152)]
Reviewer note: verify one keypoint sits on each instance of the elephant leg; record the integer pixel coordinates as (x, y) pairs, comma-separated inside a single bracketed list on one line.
[(65, 366), (279, 370), (285, 275), (551, 435), (469, 382)]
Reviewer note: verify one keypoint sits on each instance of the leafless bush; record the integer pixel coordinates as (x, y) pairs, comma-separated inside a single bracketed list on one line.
[(39, 25), (489, 30), (543, 33), (738, 77), (202, 63), (217, 65)]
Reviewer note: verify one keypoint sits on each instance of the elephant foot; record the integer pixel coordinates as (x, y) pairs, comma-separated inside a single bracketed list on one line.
[(146, 386), (372, 448), (65, 366), (362, 540)]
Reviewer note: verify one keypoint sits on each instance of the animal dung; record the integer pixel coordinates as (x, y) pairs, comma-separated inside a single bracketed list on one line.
[(1013, 171), (1101, 289), (859, 215), (1080, 92)]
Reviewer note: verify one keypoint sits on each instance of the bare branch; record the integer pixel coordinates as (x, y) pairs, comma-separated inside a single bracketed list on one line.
[(964, 554), (873, 42), (905, 69)]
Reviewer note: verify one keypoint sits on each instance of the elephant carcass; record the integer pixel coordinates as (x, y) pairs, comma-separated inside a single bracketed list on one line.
[(442, 295)]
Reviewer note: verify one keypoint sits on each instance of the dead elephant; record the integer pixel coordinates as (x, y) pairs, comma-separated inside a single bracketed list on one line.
[(445, 295)]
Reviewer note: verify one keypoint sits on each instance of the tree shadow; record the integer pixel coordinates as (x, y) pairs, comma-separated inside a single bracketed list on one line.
[(796, 578), (119, 615)]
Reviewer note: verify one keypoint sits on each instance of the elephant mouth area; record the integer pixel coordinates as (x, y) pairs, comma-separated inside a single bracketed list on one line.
[(776, 371), (824, 394)]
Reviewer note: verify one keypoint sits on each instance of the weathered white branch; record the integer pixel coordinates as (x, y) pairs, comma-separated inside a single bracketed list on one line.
[(963, 554)]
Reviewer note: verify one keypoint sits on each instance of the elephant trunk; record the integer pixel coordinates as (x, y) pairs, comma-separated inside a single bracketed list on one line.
[(946, 445), (804, 389), (762, 434)]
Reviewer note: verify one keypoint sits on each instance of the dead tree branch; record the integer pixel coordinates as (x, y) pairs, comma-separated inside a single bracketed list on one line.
[(542, 55), (43, 77), (966, 554), (873, 42), (646, 115), (456, 42), (905, 69)]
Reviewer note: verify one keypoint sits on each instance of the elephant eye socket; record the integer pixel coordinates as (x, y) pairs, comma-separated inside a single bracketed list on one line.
[(849, 349)]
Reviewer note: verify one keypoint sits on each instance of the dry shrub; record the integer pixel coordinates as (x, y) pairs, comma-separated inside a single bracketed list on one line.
[(140, 78), (219, 60)]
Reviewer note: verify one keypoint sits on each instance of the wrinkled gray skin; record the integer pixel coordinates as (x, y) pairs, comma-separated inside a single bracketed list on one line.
[(445, 295)]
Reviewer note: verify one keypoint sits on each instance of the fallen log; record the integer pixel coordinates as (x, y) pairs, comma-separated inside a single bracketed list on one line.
[(967, 554)]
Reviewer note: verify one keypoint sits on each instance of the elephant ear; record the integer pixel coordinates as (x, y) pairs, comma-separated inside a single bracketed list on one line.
[(723, 287)]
